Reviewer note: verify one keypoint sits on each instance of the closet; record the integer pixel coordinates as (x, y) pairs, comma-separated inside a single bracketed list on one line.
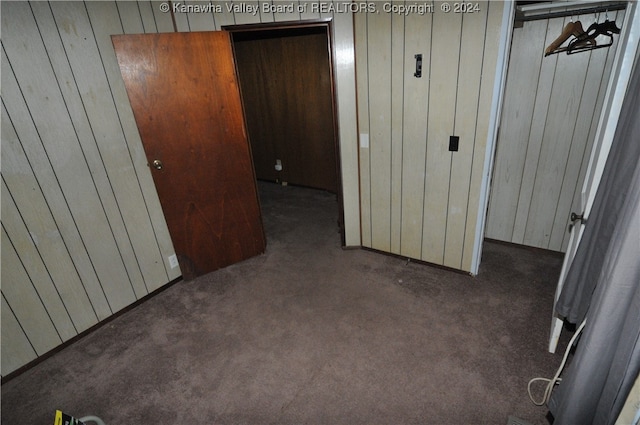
[(549, 120)]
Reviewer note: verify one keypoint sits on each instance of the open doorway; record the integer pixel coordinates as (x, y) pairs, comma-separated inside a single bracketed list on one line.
[(549, 122), (285, 75), (202, 163)]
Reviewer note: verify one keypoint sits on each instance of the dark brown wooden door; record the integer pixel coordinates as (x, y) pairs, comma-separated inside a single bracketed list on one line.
[(185, 98)]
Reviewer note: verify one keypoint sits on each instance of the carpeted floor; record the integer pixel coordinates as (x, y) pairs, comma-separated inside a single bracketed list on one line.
[(309, 333)]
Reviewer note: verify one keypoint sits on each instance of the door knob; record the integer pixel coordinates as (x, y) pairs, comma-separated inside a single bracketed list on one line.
[(575, 217), (157, 164)]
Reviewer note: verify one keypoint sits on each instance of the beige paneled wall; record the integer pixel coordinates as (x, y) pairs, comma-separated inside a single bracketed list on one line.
[(549, 122), (83, 234), (418, 199)]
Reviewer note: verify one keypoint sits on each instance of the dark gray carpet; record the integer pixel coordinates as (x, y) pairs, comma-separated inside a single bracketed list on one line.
[(309, 333)]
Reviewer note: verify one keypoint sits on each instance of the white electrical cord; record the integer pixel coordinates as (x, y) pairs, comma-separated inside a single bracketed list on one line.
[(94, 419), (551, 383)]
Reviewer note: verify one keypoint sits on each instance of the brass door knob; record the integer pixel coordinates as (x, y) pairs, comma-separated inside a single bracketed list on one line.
[(157, 164)]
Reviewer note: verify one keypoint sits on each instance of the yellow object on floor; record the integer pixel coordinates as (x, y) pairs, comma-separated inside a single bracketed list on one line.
[(64, 419)]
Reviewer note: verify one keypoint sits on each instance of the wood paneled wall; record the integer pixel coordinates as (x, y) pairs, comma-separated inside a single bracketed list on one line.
[(83, 235), (287, 92), (418, 199), (548, 125)]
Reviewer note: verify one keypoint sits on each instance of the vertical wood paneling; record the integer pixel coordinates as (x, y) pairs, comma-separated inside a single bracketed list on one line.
[(25, 302), (64, 150), (560, 124), (82, 209), (19, 350), (162, 20), (598, 70), (123, 155), (508, 176), (200, 21), (33, 209), (286, 87), (343, 60), (424, 199), (180, 19), (467, 106), (489, 74), (326, 9), (35, 156), (146, 239), (445, 56), (290, 13), (247, 12), (379, 57), (77, 215), (34, 266), (88, 133), (147, 16), (397, 119), (226, 17), (417, 33), (129, 17), (534, 145), (266, 13), (310, 10), (540, 160), (602, 89), (362, 84)]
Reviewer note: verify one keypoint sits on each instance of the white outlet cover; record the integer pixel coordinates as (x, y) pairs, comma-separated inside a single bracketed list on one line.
[(173, 261), (364, 140)]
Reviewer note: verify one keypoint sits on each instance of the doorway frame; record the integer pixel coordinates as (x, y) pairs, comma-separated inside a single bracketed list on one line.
[(500, 82), (624, 60), (327, 24), (508, 25)]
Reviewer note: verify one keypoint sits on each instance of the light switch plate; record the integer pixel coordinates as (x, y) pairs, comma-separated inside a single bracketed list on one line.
[(173, 261), (364, 140)]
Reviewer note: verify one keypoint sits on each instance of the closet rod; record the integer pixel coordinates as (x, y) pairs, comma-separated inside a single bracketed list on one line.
[(522, 17)]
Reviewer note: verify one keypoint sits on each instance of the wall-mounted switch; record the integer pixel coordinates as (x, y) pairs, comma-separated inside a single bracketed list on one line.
[(453, 143)]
